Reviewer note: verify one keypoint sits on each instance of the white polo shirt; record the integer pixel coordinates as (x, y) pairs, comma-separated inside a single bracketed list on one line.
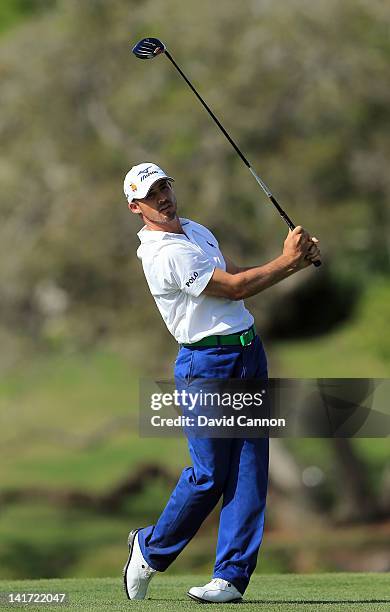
[(177, 268)]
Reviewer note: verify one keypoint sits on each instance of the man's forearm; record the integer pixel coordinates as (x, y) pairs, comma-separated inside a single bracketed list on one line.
[(237, 283), (253, 280)]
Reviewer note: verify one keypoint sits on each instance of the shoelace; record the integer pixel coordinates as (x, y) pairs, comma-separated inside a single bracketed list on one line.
[(148, 571), (220, 582)]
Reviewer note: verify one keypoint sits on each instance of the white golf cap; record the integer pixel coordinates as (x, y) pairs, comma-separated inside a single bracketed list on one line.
[(140, 178)]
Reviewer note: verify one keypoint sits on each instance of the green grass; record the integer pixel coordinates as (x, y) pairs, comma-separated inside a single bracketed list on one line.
[(59, 542), (358, 348), (72, 420), (273, 593), (56, 413)]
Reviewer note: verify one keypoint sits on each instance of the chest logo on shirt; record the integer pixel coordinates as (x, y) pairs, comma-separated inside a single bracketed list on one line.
[(192, 278), (213, 245)]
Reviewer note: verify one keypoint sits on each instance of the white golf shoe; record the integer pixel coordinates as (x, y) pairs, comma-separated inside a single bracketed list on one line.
[(137, 573), (216, 591)]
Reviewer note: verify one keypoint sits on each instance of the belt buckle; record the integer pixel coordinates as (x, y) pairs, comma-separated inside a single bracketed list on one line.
[(246, 337)]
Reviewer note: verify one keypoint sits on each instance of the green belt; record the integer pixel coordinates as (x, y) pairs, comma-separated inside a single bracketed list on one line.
[(243, 338)]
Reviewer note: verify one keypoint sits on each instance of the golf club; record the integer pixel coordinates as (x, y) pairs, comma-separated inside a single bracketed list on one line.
[(148, 48)]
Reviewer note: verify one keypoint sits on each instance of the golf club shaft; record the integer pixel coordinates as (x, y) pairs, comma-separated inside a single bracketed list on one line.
[(263, 186)]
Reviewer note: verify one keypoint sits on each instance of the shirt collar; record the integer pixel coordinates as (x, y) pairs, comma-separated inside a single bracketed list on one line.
[(146, 235)]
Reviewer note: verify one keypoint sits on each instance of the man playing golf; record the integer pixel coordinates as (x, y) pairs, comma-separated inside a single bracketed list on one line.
[(199, 293)]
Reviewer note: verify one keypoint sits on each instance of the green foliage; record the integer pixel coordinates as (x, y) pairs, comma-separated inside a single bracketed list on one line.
[(13, 12), (301, 87)]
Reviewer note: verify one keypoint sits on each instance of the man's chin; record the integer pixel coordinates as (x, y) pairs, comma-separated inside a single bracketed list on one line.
[(167, 217)]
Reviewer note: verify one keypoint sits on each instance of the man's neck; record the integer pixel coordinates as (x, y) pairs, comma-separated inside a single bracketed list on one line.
[(173, 227)]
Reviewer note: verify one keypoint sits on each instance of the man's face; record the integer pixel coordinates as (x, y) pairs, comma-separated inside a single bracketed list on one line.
[(159, 205)]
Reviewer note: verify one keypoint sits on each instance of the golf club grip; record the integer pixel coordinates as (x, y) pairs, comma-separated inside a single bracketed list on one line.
[(290, 224)]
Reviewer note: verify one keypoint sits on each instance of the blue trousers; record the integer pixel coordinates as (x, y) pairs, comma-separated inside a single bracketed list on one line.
[(236, 469)]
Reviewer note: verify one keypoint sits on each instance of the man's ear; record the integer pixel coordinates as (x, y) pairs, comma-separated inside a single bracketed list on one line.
[(134, 207)]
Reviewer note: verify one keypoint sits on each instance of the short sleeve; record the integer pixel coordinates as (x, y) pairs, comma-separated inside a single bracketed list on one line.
[(188, 267)]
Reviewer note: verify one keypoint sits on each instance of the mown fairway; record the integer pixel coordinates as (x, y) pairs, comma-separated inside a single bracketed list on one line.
[(315, 592)]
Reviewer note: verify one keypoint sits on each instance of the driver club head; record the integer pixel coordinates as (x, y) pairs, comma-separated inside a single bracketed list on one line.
[(148, 48)]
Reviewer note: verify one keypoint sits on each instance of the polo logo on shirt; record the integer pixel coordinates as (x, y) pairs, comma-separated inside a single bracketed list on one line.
[(192, 278), (213, 245)]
